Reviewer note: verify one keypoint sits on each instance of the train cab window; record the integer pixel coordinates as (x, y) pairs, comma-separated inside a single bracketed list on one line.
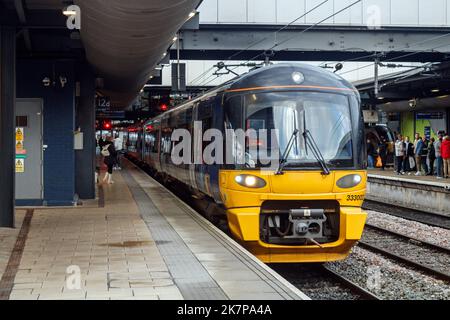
[(325, 115)]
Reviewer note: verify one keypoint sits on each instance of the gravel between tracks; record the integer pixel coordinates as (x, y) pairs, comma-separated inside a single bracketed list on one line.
[(394, 282), (413, 229)]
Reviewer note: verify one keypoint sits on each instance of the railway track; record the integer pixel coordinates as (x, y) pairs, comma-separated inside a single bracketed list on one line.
[(430, 258), (431, 219), (321, 283)]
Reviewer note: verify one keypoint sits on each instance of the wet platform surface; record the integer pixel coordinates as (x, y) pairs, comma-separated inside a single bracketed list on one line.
[(139, 242)]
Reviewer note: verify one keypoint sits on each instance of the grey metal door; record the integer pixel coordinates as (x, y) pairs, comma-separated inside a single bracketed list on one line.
[(29, 151)]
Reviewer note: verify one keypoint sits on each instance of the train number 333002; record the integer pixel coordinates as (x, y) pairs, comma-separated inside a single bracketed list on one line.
[(357, 197)]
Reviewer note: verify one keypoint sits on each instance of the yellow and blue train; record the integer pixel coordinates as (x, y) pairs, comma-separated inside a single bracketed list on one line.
[(307, 208)]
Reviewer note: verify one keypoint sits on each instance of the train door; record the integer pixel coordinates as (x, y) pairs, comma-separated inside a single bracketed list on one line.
[(205, 117), (29, 150), (165, 145), (196, 134)]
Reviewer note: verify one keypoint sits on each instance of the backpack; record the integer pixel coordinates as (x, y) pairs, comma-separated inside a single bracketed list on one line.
[(105, 151)]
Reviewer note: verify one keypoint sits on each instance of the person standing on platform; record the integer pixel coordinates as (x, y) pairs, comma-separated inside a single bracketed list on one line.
[(417, 138), (110, 154), (431, 157), (371, 154), (445, 150), (418, 148), (400, 154), (383, 152), (118, 144), (439, 162), (426, 144), (409, 162)]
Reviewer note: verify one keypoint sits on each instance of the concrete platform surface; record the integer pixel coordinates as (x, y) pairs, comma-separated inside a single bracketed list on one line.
[(143, 243), (425, 180)]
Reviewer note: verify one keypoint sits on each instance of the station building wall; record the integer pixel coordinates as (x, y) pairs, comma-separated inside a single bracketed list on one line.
[(424, 13), (58, 126)]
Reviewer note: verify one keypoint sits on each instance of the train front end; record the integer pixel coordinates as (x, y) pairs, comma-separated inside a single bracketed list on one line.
[(297, 180)]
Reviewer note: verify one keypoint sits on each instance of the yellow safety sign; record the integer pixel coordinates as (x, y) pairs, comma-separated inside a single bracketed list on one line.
[(19, 134), (20, 165), (19, 146)]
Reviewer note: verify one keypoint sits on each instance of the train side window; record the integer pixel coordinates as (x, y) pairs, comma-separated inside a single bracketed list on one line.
[(205, 116), (233, 113), (166, 135)]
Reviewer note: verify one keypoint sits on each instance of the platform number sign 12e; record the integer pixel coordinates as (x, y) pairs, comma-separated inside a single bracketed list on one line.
[(103, 104)]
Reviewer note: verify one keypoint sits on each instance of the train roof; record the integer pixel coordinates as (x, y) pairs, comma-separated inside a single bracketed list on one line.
[(282, 75), (278, 76)]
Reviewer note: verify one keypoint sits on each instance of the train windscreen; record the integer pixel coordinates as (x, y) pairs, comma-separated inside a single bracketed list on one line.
[(282, 122)]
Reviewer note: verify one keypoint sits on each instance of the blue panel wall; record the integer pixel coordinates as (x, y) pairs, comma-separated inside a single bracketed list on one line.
[(59, 115)]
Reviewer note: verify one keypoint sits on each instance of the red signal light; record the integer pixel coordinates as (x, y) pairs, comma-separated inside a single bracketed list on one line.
[(164, 107), (107, 125)]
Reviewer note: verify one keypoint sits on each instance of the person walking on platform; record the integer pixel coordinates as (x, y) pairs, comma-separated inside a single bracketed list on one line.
[(439, 162), (445, 150), (110, 154), (118, 144), (431, 157), (418, 148), (400, 154)]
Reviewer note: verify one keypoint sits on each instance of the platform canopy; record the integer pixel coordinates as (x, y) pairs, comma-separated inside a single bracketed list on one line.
[(123, 40), (425, 87)]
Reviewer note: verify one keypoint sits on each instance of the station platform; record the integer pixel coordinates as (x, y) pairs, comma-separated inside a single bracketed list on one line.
[(137, 242), (424, 193)]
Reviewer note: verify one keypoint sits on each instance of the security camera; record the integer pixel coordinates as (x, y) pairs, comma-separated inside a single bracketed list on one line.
[(46, 82), (413, 103), (63, 81)]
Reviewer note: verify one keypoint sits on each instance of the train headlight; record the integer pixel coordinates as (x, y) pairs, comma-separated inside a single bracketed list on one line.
[(250, 181), (349, 181), (298, 77)]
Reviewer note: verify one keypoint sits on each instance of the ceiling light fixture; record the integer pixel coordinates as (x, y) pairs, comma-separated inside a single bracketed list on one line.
[(69, 13)]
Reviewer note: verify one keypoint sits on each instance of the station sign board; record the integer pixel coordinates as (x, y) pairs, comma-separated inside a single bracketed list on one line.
[(371, 116), (103, 104), (118, 115), (430, 116)]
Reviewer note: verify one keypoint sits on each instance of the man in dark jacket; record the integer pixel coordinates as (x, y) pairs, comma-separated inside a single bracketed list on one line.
[(431, 157), (383, 152), (110, 154)]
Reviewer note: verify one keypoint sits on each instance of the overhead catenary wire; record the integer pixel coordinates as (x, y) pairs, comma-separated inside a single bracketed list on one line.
[(281, 29), (206, 82), (303, 31), (397, 58), (406, 47)]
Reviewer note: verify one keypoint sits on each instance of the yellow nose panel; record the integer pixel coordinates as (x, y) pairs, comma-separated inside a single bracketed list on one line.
[(302, 183)]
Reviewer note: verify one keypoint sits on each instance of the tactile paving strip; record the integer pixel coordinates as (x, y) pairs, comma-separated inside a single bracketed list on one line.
[(7, 280), (192, 279)]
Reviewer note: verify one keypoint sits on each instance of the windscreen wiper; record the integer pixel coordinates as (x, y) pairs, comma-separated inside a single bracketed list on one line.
[(283, 160), (309, 139)]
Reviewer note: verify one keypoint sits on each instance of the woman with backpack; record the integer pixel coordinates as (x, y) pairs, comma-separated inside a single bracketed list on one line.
[(109, 153)]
